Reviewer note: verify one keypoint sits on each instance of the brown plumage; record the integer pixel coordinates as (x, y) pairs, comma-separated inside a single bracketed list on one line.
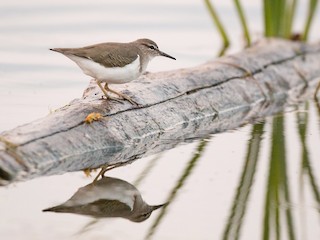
[(114, 62)]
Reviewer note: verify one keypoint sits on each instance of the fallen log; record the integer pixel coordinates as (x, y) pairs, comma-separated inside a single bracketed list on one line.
[(175, 106)]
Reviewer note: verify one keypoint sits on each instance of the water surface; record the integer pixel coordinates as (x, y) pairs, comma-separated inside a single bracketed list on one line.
[(255, 182)]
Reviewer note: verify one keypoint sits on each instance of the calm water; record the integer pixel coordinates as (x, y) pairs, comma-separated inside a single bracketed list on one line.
[(248, 183)]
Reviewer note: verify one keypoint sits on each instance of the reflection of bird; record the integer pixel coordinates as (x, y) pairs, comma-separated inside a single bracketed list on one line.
[(114, 62), (108, 197)]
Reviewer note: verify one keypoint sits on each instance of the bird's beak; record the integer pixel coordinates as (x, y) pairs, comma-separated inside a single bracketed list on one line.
[(166, 55), (158, 206)]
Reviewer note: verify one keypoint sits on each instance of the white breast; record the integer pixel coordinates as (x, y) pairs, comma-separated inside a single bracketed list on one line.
[(109, 75)]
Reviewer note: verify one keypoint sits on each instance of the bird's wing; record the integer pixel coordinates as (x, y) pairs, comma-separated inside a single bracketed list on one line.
[(99, 208), (107, 54), (110, 208)]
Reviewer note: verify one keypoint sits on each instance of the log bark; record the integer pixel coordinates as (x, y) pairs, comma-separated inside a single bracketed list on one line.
[(175, 106)]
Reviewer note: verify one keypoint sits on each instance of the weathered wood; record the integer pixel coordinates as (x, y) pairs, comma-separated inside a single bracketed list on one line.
[(175, 106)]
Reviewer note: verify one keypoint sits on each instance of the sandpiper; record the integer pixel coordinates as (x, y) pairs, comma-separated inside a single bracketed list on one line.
[(106, 198), (113, 62)]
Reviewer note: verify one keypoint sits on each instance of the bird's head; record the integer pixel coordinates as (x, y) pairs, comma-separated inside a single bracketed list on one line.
[(145, 212), (150, 48)]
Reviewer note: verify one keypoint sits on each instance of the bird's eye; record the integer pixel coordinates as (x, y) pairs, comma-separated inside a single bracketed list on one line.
[(146, 214), (152, 47)]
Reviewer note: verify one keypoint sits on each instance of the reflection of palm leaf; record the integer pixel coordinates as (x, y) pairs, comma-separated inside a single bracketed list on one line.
[(278, 186), (147, 169), (318, 107), (88, 226), (302, 123), (233, 227), (185, 174)]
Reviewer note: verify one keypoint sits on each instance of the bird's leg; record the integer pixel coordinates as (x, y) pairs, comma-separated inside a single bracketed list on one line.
[(102, 89), (121, 95), (105, 92), (103, 170), (101, 173)]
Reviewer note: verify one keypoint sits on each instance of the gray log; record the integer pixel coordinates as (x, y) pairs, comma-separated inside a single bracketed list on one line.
[(176, 106)]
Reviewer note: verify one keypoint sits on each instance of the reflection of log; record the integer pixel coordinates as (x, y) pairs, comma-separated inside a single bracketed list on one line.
[(175, 106)]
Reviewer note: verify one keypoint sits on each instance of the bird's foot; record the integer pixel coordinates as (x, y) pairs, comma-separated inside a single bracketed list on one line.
[(115, 99), (125, 97), (120, 100), (129, 99)]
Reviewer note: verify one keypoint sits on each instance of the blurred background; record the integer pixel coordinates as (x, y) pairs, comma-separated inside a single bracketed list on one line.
[(257, 182)]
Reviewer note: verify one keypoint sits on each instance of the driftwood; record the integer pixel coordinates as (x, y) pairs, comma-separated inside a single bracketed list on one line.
[(175, 106)]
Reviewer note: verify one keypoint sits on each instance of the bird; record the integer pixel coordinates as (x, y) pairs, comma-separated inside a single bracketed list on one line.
[(114, 62), (106, 198)]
